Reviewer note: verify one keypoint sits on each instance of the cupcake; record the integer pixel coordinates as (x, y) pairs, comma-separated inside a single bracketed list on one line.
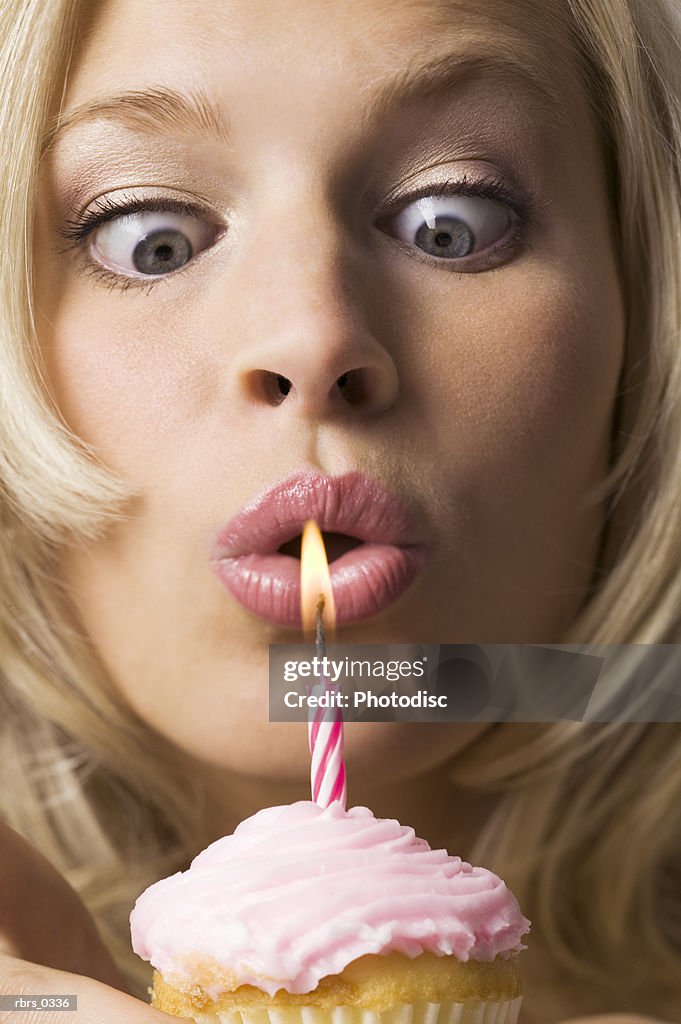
[(312, 915)]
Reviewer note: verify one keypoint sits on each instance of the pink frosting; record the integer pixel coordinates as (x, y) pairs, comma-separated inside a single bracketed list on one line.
[(300, 891)]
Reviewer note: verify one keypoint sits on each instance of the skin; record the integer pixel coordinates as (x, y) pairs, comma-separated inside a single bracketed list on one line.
[(489, 392)]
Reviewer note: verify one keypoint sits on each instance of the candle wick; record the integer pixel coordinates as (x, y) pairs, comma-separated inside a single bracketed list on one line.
[(320, 637)]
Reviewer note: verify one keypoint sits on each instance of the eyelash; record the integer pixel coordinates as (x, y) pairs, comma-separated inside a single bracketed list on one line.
[(521, 202)]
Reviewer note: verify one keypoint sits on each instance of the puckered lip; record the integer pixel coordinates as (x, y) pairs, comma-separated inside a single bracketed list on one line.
[(353, 504)]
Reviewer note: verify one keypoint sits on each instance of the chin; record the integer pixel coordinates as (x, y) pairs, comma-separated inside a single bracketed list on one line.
[(382, 752)]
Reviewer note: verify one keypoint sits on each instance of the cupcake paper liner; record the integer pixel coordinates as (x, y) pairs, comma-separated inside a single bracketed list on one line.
[(469, 1012)]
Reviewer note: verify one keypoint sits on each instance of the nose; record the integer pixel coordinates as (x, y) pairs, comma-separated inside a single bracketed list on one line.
[(309, 347)]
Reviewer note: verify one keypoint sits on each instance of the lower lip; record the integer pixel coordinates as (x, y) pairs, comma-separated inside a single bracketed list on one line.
[(365, 581)]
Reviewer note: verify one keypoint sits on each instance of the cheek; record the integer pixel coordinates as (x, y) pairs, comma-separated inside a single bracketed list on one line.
[(125, 383), (520, 370)]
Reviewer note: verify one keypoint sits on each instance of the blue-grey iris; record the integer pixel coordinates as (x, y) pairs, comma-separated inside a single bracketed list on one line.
[(161, 252), (450, 237)]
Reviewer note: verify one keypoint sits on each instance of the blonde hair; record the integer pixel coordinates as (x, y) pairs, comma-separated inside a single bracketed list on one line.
[(101, 794)]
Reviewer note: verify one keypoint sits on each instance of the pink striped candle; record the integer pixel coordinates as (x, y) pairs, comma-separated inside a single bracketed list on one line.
[(325, 724), (327, 771), (325, 736)]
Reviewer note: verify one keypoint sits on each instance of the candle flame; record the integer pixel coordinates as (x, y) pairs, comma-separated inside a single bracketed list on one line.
[(315, 580)]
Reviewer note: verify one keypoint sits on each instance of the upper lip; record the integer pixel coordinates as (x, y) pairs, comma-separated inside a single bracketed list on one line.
[(353, 504)]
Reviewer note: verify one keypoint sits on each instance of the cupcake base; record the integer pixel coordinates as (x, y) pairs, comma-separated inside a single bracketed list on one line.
[(469, 1012), (387, 989)]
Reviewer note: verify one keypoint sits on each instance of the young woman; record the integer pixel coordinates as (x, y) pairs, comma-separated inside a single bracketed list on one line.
[(264, 261)]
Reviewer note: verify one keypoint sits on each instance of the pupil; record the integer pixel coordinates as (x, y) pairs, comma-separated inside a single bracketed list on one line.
[(442, 238), (164, 252)]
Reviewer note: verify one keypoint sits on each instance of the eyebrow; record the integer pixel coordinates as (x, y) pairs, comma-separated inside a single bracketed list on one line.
[(156, 109), (159, 109), (444, 74)]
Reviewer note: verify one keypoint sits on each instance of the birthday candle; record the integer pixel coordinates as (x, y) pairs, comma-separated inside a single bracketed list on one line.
[(325, 735), (327, 770), (325, 724)]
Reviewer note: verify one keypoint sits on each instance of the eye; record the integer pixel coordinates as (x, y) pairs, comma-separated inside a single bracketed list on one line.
[(151, 243), (452, 227)]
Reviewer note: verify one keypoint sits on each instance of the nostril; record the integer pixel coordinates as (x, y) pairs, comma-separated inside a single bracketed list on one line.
[(270, 386), (354, 386), (284, 384)]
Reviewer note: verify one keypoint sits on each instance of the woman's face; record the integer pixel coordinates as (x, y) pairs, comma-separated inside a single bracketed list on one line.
[(268, 246)]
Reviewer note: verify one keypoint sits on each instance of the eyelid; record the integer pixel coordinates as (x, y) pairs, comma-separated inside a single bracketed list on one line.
[(522, 201), (109, 206)]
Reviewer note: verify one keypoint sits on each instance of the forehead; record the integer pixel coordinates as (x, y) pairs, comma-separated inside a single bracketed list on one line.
[(354, 44)]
